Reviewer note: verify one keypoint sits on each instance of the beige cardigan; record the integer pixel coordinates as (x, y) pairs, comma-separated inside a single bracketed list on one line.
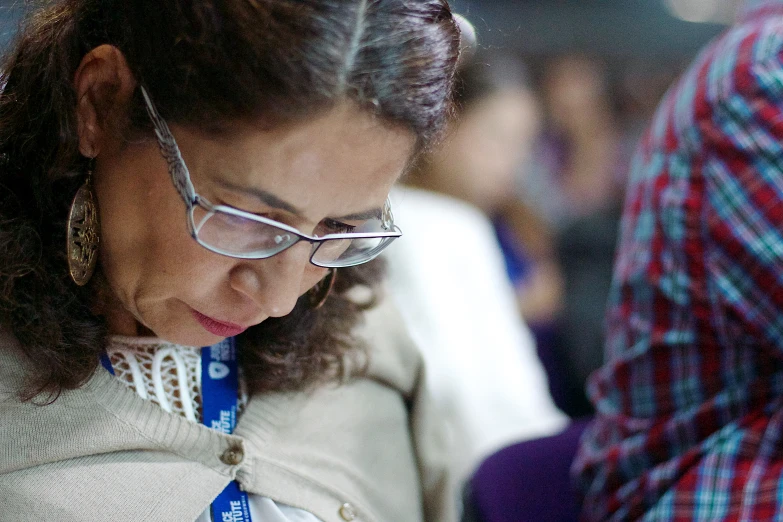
[(103, 453)]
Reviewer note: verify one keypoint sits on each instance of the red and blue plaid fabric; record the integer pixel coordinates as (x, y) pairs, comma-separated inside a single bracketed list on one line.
[(690, 404)]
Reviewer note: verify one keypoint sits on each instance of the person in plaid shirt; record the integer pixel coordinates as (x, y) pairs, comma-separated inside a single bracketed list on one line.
[(689, 421)]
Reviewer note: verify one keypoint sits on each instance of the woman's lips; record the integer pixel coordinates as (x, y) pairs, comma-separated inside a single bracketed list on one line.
[(216, 327)]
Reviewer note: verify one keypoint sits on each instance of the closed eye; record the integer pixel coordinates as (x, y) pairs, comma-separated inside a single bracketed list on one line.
[(331, 226)]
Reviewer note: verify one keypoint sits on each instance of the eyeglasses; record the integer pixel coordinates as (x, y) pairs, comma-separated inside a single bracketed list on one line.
[(232, 232)]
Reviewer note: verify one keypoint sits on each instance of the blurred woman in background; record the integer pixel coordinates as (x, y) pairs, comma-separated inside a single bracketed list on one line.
[(575, 185), (491, 141), (450, 276)]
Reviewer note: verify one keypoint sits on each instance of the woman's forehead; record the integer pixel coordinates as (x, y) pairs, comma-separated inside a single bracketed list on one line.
[(345, 155)]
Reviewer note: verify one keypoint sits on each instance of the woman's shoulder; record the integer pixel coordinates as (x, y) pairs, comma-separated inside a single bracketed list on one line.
[(394, 358)]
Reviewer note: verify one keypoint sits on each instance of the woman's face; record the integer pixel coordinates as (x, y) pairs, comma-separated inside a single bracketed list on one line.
[(484, 149), (341, 163)]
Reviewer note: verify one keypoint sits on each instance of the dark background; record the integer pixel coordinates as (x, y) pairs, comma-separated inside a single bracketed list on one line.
[(610, 28), (644, 29)]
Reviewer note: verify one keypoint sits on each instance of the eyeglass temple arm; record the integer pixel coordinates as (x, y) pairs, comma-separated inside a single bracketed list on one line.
[(170, 151)]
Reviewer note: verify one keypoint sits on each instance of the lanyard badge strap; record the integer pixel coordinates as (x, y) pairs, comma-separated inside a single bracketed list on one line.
[(220, 396)]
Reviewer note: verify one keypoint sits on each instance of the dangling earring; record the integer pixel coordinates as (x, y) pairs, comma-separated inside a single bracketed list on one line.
[(83, 232), (320, 292)]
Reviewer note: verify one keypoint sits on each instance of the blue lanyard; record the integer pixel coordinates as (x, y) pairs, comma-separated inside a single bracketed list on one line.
[(220, 395), (219, 398)]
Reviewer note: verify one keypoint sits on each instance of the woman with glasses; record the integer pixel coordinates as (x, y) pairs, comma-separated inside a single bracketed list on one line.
[(191, 193)]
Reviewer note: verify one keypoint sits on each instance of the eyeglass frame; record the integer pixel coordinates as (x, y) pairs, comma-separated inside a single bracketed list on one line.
[(180, 177)]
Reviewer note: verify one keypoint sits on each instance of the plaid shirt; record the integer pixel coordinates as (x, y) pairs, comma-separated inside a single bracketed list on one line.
[(690, 404)]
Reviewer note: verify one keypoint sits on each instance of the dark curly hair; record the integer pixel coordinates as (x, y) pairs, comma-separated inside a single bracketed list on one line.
[(214, 61)]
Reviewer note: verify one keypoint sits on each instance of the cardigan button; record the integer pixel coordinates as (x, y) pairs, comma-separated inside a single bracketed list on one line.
[(347, 512), (232, 456)]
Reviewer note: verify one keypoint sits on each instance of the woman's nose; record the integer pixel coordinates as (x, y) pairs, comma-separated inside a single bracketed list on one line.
[(273, 284)]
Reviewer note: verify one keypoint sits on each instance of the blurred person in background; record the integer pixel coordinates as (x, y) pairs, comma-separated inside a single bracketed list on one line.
[(574, 186), (689, 422), (499, 122), (640, 86), (449, 274), (576, 170), (498, 119)]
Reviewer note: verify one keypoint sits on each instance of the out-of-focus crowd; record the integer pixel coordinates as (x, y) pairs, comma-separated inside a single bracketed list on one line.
[(512, 224)]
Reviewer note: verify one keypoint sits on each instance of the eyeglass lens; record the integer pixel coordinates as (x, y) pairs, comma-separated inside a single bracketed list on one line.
[(239, 236)]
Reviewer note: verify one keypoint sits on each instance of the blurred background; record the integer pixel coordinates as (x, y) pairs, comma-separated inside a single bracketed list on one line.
[(655, 30), (552, 100)]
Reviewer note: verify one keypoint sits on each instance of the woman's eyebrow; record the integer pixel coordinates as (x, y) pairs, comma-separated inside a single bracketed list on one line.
[(275, 202), (375, 213), (266, 197)]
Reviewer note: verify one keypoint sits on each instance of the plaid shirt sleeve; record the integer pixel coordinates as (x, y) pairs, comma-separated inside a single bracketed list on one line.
[(690, 416)]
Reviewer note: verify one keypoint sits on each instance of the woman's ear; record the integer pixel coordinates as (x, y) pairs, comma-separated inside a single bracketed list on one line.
[(104, 85)]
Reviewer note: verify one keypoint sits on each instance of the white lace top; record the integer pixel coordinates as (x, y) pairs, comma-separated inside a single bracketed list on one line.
[(170, 376)]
